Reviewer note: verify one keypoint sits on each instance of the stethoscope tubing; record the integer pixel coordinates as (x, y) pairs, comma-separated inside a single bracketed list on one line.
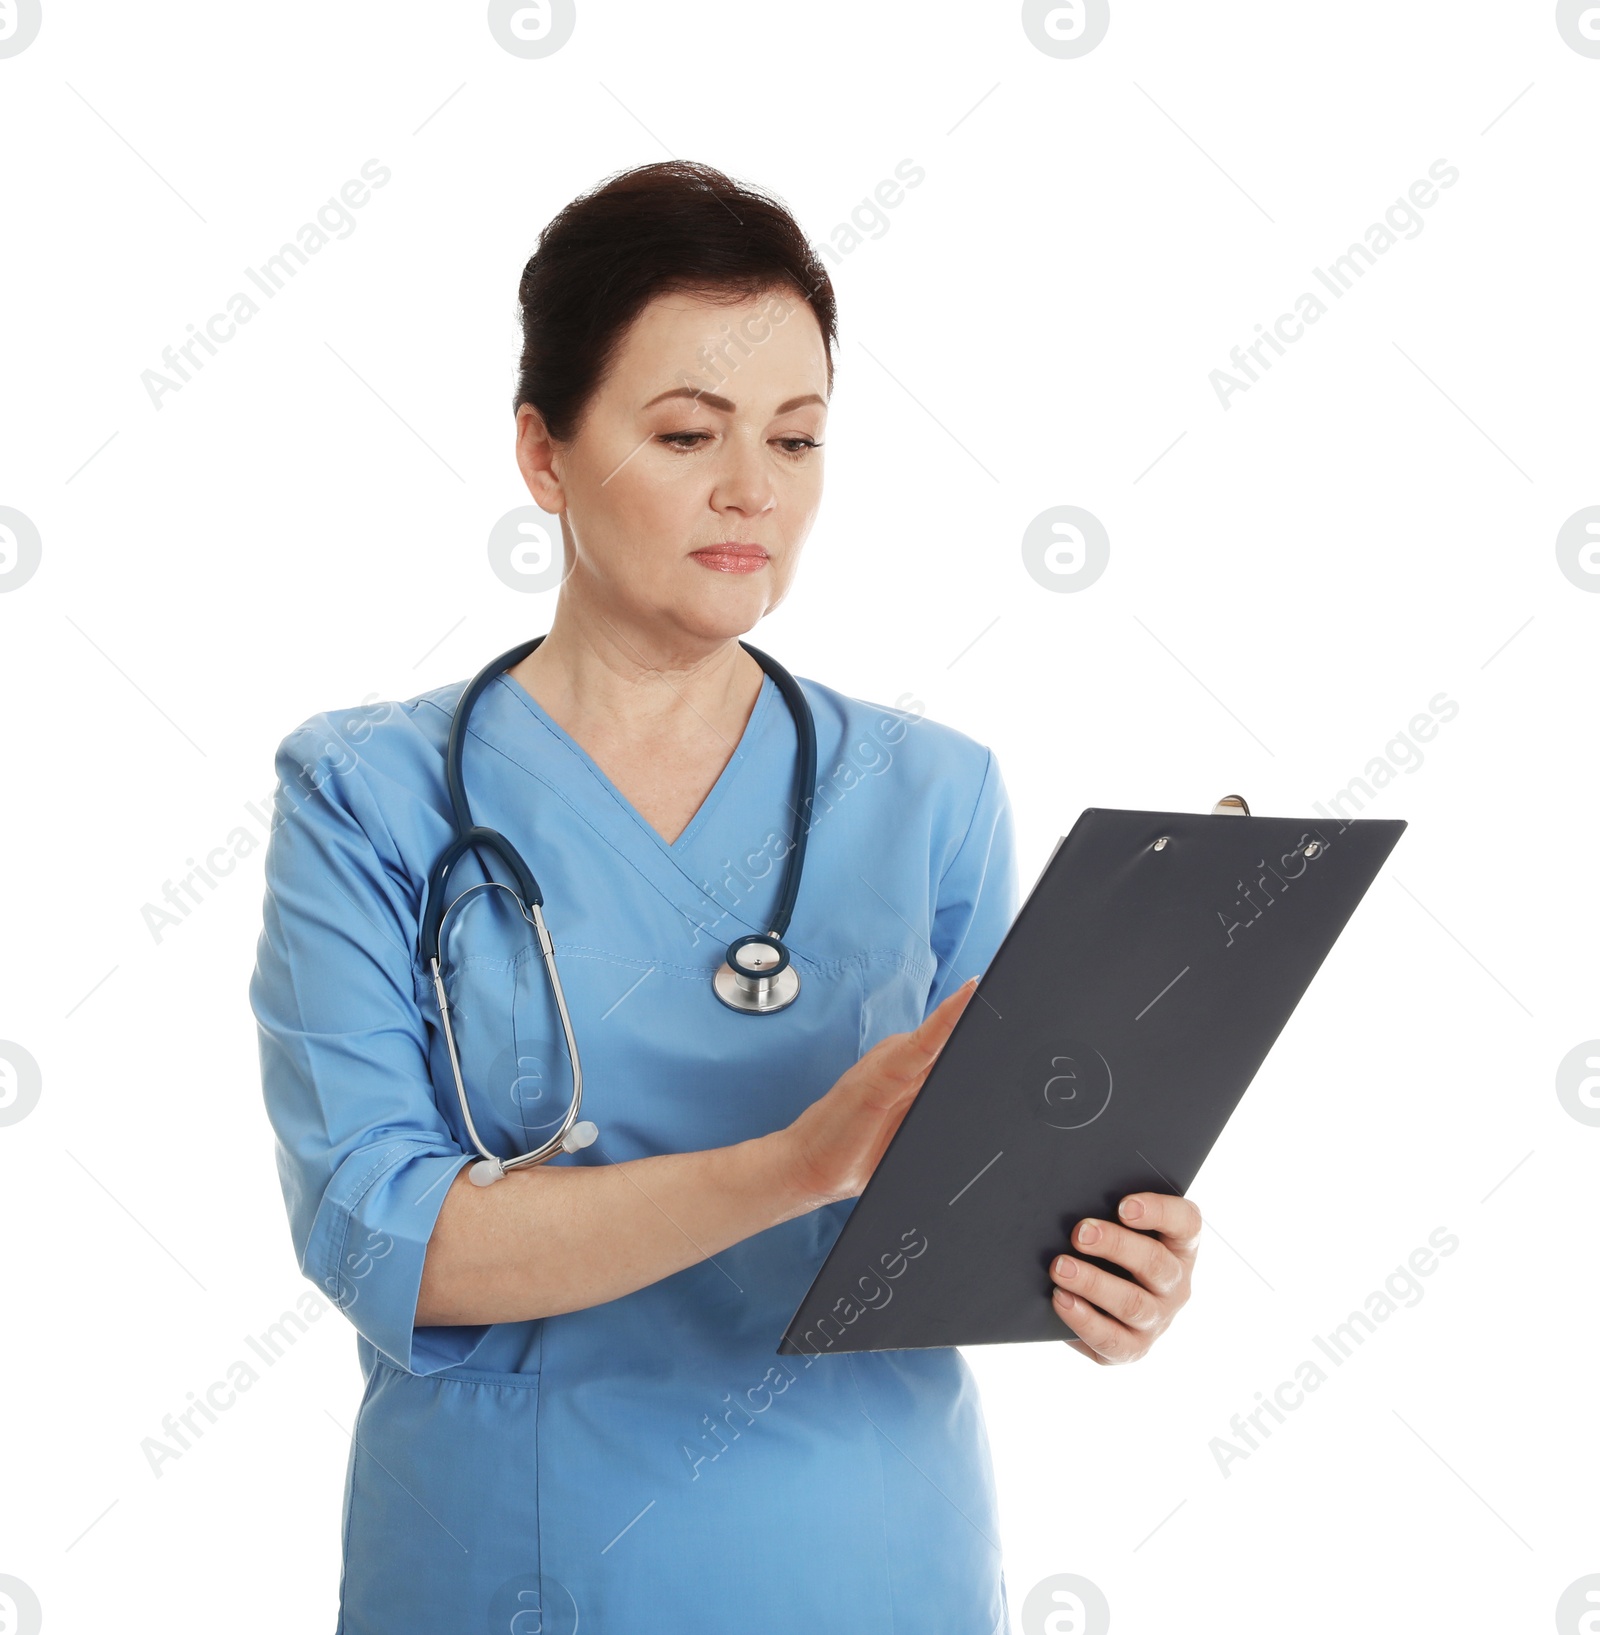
[(471, 837)]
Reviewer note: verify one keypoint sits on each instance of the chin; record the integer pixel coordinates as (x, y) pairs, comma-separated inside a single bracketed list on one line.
[(721, 624), (729, 608)]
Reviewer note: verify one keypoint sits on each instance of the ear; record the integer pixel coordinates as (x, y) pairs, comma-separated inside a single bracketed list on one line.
[(535, 460)]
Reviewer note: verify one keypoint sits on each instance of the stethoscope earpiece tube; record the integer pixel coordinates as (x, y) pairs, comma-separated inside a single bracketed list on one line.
[(805, 783)]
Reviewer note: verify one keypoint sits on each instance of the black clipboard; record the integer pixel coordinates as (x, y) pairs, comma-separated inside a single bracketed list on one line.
[(1121, 1020)]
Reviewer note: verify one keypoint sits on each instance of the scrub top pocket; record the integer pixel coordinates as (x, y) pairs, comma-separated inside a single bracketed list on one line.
[(449, 1463)]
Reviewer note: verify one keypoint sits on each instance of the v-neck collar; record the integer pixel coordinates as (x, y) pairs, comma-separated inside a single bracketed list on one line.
[(509, 722), (676, 849)]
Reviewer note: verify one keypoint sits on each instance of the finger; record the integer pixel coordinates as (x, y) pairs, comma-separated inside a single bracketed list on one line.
[(1134, 1307), (1103, 1335), (916, 1051), (896, 1068), (1176, 1219), (1149, 1259), (941, 1020)]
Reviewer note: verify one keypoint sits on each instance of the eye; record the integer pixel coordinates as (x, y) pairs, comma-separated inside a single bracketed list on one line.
[(685, 442)]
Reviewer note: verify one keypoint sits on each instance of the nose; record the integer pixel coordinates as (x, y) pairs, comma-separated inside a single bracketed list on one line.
[(744, 482)]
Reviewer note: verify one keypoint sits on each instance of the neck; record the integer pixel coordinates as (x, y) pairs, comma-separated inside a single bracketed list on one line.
[(649, 681)]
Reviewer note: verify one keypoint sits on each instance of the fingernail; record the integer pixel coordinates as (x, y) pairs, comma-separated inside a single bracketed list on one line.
[(1088, 1233), (1132, 1209), (1065, 1267)]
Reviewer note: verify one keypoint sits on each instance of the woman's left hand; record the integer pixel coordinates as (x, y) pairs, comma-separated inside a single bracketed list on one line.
[(1117, 1321)]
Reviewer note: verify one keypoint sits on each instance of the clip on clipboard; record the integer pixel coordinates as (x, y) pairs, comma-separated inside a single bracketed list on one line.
[(1132, 1001)]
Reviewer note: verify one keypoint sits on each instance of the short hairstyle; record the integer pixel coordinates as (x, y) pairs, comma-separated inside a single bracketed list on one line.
[(675, 226)]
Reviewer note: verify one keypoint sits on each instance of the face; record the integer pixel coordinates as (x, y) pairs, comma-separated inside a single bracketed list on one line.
[(707, 432)]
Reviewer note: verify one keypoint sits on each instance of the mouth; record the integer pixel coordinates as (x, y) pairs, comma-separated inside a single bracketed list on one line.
[(732, 556)]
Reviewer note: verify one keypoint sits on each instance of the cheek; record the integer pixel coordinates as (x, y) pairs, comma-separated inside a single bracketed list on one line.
[(638, 525), (781, 575), (799, 510), (666, 499)]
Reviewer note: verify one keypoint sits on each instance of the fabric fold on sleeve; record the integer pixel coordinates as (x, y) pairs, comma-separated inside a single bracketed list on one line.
[(977, 895), (364, 1156)]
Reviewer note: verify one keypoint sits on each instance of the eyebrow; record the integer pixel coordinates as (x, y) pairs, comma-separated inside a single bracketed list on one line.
[(726, 405)]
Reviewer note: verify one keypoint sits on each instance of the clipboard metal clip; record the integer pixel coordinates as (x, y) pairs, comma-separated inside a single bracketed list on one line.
[(1228, 806)]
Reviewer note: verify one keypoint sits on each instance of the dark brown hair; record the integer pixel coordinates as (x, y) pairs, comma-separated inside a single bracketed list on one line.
[(674, 226)]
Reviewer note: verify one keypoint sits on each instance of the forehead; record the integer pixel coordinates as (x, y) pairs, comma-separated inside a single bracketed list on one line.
[(771, 340)]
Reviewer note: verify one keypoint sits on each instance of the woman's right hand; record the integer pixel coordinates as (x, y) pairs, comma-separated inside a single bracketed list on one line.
[(835, 1144)]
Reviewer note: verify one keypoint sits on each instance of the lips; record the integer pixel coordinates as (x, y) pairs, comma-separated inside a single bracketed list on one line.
[(732, 557)]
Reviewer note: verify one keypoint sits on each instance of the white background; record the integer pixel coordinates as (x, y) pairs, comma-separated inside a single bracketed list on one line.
[(1291, 579)]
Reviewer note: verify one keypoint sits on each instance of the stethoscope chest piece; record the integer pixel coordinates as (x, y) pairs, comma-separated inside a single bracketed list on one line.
[(757, 977)]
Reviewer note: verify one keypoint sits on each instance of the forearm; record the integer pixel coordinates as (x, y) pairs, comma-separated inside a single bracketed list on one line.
[(553, 1239)]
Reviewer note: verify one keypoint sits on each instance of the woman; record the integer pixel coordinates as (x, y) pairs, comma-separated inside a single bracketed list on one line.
[(574, 1409)]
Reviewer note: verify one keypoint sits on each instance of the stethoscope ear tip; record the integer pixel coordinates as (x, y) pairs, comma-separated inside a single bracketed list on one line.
[(579, 1136), (486, 1172)]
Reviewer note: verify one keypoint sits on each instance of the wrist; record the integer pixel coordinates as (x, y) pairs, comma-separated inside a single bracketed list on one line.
[(779, 1175)]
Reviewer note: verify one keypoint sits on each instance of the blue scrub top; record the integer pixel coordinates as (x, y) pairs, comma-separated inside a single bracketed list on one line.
[(651, 1463)]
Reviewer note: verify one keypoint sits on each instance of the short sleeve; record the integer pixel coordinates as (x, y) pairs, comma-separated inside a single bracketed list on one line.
[(976, 899), (364, 1157)]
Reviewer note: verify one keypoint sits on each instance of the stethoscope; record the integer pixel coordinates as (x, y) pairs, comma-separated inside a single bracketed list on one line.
[(757, 978)]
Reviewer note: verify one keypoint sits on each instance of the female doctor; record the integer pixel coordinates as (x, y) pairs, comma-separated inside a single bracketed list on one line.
[(574, 1414)]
